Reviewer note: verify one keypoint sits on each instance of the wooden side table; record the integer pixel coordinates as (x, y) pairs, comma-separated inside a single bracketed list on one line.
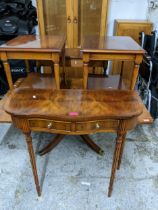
[(75, 112), (31, 47), (132, 28), (96, 48)]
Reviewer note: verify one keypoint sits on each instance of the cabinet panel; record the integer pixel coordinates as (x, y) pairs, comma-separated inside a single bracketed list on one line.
[(132, 28), (92, 16), (54, 16)]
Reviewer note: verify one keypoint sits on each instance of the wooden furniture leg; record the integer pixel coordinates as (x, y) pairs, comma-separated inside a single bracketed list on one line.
[(119, 139), (85, 75), (134, 76), (121, 76), (33, 162), (121, 152), (92, 145), (63, 63), (38, 65), (57, 139), (7, 70), (27, 65), (135, 71), (57, 75)]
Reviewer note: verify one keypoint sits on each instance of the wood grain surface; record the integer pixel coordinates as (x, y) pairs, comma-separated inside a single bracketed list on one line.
[(113, 44), (34, 43), (87, 104)]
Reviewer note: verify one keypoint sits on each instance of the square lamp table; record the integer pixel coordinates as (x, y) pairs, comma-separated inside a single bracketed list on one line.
[(120, 48), (32, 47)]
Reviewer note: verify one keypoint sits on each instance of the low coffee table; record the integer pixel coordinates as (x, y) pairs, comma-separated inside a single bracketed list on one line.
[(74, 112)]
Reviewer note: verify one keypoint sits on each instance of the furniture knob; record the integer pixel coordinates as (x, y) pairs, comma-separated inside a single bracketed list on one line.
[(97, 125), (69, 19), (50, 125), (75, 20)]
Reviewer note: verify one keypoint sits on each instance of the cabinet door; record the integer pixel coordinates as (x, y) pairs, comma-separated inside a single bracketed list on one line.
[(52, 17), (56, 18), (89, 19), (75, 18)]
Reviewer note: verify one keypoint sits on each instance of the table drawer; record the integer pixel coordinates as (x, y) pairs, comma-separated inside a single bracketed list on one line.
[(97, 125), (89, 126), (50, 124)]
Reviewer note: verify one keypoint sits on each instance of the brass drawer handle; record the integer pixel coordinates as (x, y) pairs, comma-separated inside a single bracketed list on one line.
[(50, 125), (97, 125)]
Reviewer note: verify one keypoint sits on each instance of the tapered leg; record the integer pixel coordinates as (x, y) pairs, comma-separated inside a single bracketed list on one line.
[(27, 65), (8, 73), (116, 156), (33, 162), (57, 75), (85, 75), (92, 145), (57, 139), (63, 63), (138, 60), (121, 76), (134, 76), (121, 152)]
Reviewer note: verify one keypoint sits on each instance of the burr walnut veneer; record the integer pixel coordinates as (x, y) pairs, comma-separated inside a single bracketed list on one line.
[(74, 112)]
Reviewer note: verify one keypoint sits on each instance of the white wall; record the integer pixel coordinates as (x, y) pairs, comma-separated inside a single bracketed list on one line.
[(34, 2), (153, 17), (126, 9)]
